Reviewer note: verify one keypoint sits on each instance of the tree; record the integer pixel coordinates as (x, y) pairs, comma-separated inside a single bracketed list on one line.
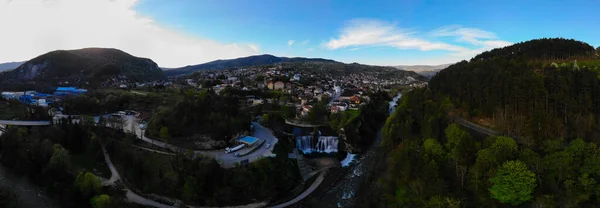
[(164, 133), (87, 183), (513, 183), (433, 148), (60, 158), (265, 119), (598, 51), (457, 145), (100, 201)]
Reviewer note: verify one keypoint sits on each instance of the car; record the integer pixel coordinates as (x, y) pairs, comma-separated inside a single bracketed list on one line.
[(237, 154), (268, 146)]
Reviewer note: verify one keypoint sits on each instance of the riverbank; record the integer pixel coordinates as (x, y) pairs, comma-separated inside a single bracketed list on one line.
[(349, 186)]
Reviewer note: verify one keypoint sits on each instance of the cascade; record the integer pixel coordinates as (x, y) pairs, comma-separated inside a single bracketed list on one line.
[(324, 144)]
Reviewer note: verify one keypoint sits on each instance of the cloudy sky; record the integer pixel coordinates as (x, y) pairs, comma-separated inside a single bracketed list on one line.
[(185, 32)]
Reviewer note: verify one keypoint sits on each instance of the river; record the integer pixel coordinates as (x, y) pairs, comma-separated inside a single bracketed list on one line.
[(343, 193), (29, 194)]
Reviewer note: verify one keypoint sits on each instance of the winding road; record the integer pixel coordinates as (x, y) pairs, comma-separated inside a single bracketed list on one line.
[(307, 192)]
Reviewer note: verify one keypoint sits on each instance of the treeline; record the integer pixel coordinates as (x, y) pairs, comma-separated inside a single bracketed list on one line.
[(104, 102), (545, 49), (199, 114), (62, 159), (433, 163), (525, 97), (13, 109)]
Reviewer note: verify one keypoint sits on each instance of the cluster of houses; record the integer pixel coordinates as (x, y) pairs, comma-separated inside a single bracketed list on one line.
[(304, 87), (42, 99)]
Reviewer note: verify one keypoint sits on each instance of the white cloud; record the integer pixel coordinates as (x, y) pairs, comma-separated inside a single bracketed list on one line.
[(291, 42), (34, 27), (305, 42), (370, 32), (472, 36)]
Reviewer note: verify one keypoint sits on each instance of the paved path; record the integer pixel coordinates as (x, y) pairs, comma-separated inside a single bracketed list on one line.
[(304, 194), (25, 123), (130, 195), (114, 175), (305, 125)]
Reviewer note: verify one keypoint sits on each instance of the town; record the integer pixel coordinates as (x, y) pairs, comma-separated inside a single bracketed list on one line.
[(282, 113)]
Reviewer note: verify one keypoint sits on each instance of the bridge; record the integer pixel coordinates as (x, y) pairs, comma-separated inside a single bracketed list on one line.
[(25, 123), (299, 124)]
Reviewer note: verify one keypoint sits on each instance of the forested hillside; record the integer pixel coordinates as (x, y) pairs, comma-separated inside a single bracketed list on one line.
[(81, 66), (533, 91)]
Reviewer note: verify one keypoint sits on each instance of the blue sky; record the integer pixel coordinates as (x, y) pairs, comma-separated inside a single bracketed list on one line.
[(183, 32)]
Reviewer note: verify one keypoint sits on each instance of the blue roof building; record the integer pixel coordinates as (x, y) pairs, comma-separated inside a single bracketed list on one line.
[(63, 91)]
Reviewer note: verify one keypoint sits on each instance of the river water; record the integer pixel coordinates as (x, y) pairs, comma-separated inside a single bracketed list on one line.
[(345, 190), (29, 194)]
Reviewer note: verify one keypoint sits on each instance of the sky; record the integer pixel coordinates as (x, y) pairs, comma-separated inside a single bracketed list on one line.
[(177, 33)]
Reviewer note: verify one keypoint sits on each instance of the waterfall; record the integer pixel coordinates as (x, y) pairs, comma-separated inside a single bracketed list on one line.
[(304, 144), (324, 144)]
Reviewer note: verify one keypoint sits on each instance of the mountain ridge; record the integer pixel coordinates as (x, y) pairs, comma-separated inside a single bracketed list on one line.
[(248, 61), (10, 65), (83, 65)]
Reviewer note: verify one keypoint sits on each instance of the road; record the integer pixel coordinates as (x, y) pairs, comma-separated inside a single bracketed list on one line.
[(114, 175), (226, 160), (474, 126), (261, 132), (25, 123), (307, 192), (304, 125), (130, 195)]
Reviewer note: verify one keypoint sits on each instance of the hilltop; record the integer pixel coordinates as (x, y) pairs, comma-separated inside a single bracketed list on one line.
[(88, 65), (241, 62)]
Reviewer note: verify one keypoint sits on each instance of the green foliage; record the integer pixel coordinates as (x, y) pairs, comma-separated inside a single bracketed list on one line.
[(545, 48), (361, 126), (164, 133), (318, 112), (199, 114), (88, 183), (101, 201), (13, 109), (265, 118), (522, 94), (433, 148), (50, 155), (478, 172), (201, 181), (513, 183), (60, 158)]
